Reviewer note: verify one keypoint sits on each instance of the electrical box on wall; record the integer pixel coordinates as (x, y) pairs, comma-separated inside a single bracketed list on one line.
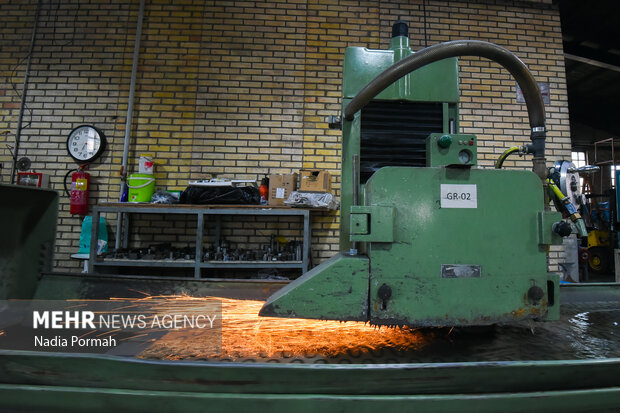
[(36, 179)]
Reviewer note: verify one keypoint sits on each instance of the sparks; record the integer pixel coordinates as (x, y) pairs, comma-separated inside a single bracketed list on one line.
[(246, 335)]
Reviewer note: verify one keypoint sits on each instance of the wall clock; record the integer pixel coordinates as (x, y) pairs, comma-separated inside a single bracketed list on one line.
[(86, 143)]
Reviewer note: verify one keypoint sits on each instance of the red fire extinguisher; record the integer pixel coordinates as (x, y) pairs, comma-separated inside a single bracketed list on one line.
[(80, 184), (264, 190)]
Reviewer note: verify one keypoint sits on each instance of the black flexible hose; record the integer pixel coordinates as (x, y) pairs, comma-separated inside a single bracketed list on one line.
[(518, 69), (64, 182)]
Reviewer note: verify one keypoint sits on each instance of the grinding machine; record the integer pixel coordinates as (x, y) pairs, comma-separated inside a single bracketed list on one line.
[(427, 237)]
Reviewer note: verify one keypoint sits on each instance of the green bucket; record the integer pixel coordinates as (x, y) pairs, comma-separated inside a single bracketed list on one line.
[(141, 187)]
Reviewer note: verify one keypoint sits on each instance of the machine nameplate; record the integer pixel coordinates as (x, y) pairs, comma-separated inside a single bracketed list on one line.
[(460, 271), (459, 196)]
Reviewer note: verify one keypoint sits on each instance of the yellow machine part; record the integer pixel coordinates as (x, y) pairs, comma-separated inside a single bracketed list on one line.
[(598, 238)]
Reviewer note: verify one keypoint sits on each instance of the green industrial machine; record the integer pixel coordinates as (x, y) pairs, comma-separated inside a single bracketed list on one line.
[(427, 237)]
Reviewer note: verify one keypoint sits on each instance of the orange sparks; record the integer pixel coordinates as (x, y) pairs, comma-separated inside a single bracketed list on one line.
[(246, 335)]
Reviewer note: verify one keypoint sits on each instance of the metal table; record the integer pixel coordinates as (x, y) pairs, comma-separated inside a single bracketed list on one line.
[(124, 209)]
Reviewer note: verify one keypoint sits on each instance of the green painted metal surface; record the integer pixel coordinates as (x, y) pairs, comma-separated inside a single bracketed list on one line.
[(451, 153), (350, 148), (360, 224), (72, 382), (62, 399), (28, 220), (546, 235), (379, 223), (337, 289), (454, 262), (454, 246), (437, 82)]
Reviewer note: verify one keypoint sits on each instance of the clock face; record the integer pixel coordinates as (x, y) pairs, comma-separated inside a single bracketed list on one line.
[(85, 143)]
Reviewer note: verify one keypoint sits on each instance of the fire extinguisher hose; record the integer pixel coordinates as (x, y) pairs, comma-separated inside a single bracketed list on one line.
[(64, 181)]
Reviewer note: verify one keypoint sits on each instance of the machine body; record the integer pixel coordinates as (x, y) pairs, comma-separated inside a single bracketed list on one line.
[(428, 237)]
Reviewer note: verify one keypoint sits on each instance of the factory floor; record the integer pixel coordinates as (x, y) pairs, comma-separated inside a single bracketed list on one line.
[(588, 327)]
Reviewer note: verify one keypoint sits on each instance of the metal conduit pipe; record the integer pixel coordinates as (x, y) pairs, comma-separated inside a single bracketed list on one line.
[(128, 120), (518, 69), (22, 105)]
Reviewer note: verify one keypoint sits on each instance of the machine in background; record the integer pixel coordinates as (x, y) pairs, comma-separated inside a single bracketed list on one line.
[(427, 237)]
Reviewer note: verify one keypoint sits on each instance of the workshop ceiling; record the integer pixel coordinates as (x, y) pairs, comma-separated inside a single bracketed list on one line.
[(591, 36)]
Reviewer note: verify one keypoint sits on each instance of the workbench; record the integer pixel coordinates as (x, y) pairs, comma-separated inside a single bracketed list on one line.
[(203, 213)]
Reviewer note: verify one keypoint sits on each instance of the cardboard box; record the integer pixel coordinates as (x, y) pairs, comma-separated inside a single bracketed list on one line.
[(314, 180), (280, 187)]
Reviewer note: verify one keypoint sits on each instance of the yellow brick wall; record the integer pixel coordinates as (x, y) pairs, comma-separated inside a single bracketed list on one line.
[(242, 88)]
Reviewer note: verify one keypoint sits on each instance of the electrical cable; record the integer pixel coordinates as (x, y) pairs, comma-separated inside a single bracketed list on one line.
[(55, 23), (17, 92)]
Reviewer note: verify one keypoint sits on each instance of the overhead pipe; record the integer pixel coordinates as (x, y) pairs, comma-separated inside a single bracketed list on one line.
[(518, 69), (22, 105), (132, 93)]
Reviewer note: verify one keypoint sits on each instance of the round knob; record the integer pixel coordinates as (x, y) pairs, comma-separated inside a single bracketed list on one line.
[(385, 292), (445, 141), (562, 228), (535, 294)]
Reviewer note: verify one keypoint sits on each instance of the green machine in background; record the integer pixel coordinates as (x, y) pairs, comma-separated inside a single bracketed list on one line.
[(427, 237)]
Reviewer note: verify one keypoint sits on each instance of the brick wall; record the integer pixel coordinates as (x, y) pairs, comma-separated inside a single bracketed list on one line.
[(242, 89)]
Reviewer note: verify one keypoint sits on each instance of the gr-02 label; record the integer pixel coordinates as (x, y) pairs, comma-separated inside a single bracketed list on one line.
[(459, 196)]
